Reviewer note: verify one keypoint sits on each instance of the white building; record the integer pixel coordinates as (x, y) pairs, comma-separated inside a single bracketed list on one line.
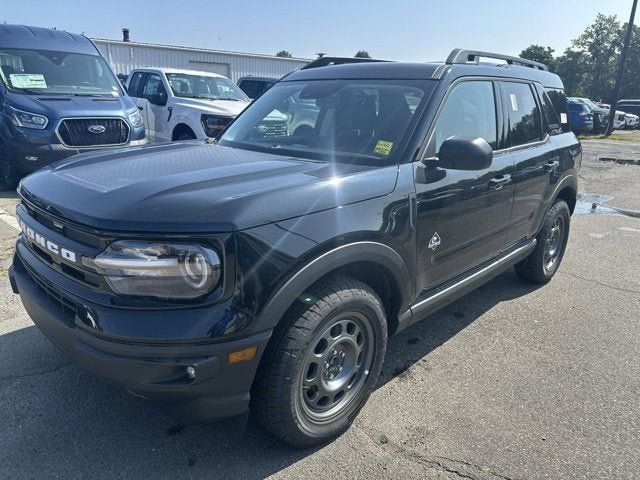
[(125, 55)]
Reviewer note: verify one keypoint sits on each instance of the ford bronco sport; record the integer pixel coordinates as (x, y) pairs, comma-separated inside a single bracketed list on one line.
[(265, 272)]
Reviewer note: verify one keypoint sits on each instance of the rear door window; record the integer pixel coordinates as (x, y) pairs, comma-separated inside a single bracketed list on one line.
[(559, 101), (524, 123)]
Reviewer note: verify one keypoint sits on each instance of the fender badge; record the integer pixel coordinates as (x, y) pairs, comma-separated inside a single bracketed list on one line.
[(435, 241)]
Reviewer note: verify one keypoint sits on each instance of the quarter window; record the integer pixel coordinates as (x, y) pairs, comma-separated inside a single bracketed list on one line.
[(524, 114), (468, 112)]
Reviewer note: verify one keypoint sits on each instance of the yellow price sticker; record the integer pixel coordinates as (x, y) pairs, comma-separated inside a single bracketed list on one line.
[(383, 147)]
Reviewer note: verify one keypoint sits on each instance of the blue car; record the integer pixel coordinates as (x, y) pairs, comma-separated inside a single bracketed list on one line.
[(58, 97), (580, 117)]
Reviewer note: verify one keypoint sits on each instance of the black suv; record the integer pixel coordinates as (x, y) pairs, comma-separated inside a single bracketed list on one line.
[(266, 270)]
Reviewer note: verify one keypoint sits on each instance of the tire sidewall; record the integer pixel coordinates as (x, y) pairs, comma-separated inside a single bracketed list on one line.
[(559, 208), (308, 430)]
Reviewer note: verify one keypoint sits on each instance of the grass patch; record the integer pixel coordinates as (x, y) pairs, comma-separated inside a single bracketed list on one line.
[(613, 136)]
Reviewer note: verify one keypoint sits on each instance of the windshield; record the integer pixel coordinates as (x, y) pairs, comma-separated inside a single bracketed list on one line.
[(49, 72), (204, 86), (364, 121)]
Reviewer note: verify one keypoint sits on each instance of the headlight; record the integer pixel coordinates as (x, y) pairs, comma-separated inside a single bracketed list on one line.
[(163, 270), (214, 125), (28, 120), (135, 119)]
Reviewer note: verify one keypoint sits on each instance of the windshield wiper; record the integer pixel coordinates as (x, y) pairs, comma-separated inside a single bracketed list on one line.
[(26, 90), (228, 98)]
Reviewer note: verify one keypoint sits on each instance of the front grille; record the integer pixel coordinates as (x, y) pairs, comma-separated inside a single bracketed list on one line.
[(90, 132), (273, 129), (66, 304)]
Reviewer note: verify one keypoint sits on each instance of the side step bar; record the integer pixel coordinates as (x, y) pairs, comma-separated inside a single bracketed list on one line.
[(442, 296)]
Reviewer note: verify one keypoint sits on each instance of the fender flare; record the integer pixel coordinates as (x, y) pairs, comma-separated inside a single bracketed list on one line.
[(372, 252)]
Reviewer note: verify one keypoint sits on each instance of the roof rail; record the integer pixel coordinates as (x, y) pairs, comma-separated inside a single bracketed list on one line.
[(459, 56), (326, 61)]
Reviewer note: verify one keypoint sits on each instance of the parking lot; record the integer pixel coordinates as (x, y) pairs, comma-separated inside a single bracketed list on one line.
[(511, 381)]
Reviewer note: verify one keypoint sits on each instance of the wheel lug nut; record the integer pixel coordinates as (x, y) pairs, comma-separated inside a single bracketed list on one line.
[(326, 365), (342, 354), (340, 369), (331, 377), (334, 352)]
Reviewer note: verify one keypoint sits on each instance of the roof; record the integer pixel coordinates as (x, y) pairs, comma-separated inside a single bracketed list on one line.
[(177, 70), (257, 78), (22, 36), (201, 50), (417, 71)]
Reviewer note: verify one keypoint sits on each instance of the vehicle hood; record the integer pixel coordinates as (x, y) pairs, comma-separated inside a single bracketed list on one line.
[(196, 187), (227, 108), (62, 106)]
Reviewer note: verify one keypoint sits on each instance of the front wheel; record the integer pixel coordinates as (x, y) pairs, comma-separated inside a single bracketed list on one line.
[(543, 262), (322, 364)]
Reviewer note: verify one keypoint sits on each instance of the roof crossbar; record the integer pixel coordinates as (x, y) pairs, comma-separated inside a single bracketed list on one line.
[(459, 56), (326, 61)]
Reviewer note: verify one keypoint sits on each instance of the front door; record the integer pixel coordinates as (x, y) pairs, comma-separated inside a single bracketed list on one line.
[(154, 97), (462, 216)]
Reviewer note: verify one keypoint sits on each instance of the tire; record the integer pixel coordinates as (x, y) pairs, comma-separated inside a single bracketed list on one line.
[(9, 176), (186, 136), (540, 266), (313, 354)]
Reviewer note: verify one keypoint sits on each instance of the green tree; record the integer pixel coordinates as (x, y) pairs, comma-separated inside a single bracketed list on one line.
[(541, 54), (284, 53), (571, 67), (630, 84), (362, 54), (600, 43)]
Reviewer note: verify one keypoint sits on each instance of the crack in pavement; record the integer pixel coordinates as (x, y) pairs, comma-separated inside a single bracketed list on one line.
[(438, 462), (35, 374), (602, 284)]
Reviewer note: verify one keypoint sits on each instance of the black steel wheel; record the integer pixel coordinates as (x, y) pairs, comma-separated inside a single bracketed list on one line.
[(322, 363), (543, 262)]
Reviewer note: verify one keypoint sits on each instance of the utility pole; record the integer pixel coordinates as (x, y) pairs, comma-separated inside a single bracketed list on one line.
[(623, 57)]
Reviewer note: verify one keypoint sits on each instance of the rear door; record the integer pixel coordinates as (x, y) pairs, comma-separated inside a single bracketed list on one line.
[(462, 216), (534, 153)]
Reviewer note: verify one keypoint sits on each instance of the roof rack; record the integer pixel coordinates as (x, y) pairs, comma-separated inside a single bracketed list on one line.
[(459, 56), (326, 61)]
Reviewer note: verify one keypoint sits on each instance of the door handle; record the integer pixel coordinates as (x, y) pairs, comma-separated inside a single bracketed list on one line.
[(497, 183), (552, 165)]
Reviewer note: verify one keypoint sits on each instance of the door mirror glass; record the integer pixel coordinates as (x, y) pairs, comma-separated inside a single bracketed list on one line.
[(465, 154), (159, 99)]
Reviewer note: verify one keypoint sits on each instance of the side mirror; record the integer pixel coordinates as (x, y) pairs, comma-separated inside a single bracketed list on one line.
[(465, 154), (159, 99)]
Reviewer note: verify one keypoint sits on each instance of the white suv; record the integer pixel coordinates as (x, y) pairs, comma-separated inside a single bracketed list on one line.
[(184, 104)]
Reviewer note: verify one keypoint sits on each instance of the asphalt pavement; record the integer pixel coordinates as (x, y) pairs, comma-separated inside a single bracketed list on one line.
[(512, 381)]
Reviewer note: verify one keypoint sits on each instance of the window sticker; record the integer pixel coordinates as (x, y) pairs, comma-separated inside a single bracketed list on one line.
[(563, 118), (28, 80), (514, 102), (383, 147)]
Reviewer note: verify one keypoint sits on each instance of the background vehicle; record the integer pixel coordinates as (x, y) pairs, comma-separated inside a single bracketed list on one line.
[(268, 268), (619, 121), (600, 115), (631, 121), (256, 86), (630, 107), (580, 116), (184, 104), (59, 98)]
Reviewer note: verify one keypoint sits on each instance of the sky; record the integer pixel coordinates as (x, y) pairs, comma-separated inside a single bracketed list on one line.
[(406, 30)]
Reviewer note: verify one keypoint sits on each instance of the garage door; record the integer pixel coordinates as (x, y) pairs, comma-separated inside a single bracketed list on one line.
[(219, 68)]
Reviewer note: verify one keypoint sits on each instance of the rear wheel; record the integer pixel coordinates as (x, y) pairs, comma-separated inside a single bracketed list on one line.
[(543, 262), (322, 364)]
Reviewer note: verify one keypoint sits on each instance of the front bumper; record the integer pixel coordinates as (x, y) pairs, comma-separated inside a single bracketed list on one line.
[(156, 371), (29, 157)]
